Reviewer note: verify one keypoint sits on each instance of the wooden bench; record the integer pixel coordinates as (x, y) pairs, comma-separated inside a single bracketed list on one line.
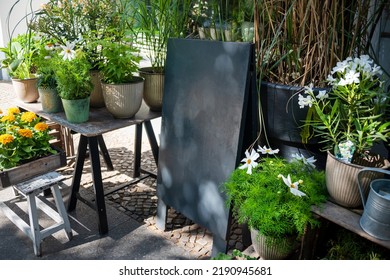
[(31, 190), (346, 218)]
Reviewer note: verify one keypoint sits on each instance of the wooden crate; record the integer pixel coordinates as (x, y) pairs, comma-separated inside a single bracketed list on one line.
[(31, 169)]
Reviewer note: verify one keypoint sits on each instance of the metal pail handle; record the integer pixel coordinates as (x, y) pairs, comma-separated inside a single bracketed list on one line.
[(359, 177)]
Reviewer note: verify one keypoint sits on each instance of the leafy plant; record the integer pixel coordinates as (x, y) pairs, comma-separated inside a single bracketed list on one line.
[(120, 61), (353, 111), (43, 61), (20, 50), (265, 194), (235, 255), (19, 53), (86, 22), (23, 136), (73, 76), (348, 246)]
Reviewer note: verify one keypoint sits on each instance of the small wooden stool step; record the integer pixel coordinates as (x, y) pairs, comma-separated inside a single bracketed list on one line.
[(31, 189)]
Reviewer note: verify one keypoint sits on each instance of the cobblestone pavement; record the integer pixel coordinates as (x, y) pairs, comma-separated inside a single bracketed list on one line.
[(139, 201)]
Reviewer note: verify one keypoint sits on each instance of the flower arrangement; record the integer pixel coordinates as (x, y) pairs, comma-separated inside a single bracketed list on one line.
[(23, 137), (273, 195), (349, 119)]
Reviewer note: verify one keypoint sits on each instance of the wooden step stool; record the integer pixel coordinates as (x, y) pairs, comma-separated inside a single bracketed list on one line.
[(31, 189)]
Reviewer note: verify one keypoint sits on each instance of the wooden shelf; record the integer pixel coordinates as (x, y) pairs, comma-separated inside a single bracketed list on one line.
[(347, 219)]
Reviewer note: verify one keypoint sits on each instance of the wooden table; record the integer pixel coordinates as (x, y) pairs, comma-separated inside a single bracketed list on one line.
[(91, 139)]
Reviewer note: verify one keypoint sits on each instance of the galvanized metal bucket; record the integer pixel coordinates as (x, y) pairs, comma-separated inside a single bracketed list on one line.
[(376, 215)]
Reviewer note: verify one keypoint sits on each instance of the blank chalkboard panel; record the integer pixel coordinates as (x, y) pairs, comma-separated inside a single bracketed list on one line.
[(204, 119)]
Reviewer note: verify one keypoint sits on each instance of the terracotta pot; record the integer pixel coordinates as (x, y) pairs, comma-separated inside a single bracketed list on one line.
[(96, 98), (26, 89)]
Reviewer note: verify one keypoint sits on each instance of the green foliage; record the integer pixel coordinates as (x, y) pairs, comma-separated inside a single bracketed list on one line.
[(235, 255), (22, 137), (264, 202), (45, 68), (349, 246), (120, 61), (353, 110), (73, 77), (19, 55), (157, 21), (86, 21)]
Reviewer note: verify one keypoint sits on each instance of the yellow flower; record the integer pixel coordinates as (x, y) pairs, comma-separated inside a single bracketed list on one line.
[(8, 118), (25, 132), (28, 117), (13, 110), (41, 126), (1, 111), (6, 138)]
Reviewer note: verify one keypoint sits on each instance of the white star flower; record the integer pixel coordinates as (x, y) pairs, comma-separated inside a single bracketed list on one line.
[(249, 161), (322, 94), (264, 150), (308, 161), (350, 77), (67, 51), (293, 186), (304, 101)]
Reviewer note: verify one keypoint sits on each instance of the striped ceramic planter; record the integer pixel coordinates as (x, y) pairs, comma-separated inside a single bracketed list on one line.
[(269, 248), (123, 100), (341, 180)]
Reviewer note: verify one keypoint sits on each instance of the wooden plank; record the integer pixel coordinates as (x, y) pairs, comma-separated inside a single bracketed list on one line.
[(31, 169), (39, 183), (346, 219)]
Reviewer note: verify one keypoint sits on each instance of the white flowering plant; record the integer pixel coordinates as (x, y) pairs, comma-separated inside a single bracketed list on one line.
[(351, 115), (274, 195), (72, 72)]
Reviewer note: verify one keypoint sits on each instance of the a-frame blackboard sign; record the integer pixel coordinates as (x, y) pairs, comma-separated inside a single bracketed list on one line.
[(209, 118)]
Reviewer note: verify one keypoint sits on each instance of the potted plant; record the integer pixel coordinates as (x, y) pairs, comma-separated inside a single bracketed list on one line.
[(273, 196), (45, 65), (349, 120), (298, 43), (19, 54), (122, 88), (56, 20), (73, 82), (159, 20)]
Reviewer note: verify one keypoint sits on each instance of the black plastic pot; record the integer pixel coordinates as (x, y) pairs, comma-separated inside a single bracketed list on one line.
[(283, 121)]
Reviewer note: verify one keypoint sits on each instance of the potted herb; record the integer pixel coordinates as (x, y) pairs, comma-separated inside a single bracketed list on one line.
[(349, 120), (74, 82), (298, 43), (274, 197)]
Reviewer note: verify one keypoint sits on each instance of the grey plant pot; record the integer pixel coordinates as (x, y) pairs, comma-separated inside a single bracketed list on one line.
[(123, 100)]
